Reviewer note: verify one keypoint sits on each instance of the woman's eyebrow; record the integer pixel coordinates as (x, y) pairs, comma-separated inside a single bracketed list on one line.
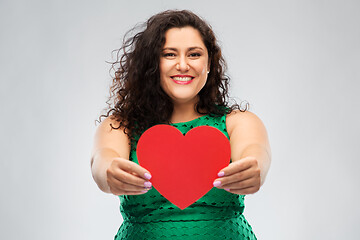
[(189, 49), (193, 48), (168, 48)]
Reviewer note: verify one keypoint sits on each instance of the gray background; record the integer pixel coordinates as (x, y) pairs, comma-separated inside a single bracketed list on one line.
[(296, 62)]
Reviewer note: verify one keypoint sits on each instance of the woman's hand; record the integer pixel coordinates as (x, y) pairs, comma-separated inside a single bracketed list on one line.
[(240, 177), (125, 177)]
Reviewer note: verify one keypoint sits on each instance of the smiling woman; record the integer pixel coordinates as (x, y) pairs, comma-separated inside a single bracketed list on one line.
[(173, 73)]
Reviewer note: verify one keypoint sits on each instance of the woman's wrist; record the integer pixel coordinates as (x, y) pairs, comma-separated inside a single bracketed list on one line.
[(263, 157), (100, 162)]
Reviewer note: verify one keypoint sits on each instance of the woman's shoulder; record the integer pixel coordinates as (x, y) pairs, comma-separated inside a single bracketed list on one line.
[(240, 119), (109, 121)]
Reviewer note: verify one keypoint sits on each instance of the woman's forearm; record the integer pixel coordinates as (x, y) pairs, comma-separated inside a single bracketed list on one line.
[(262, 155), (100, 162)]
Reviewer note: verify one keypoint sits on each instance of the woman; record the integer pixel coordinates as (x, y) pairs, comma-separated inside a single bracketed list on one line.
[(173, 73)]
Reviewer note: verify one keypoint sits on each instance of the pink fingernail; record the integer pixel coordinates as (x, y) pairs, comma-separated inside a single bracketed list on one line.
[(144, 191), (147, 176), (227, 189), (148, 184), (221, 174), (217, 183)]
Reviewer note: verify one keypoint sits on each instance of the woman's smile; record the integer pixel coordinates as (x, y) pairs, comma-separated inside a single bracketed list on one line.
[(182, 79)]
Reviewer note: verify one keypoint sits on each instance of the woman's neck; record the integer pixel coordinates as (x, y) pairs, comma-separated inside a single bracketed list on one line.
[(184, 113)]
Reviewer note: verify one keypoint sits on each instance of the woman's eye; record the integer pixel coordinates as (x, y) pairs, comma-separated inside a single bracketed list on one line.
[(169, 55), (195, 55)]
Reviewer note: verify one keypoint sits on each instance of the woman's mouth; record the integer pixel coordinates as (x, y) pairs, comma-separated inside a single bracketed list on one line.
[(183, 80)]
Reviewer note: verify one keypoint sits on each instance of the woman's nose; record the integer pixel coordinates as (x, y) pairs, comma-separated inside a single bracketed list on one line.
[(182, 65)]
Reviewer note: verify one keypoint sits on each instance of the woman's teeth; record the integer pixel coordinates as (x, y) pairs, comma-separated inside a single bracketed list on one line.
[(183, 79)]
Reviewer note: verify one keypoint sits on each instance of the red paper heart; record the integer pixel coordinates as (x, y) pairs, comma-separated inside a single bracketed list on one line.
[(183, 168)]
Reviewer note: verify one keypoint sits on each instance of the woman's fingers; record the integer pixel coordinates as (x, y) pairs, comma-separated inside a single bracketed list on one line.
[(234, 183), (252, 174), (238, 166), (240, 177), (117, 191), (126, 186), (132, 193), (244, 191), (132, 167), (127, 178), (251, 182)]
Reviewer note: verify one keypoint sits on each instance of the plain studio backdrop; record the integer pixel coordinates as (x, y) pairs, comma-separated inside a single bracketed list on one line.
[(296, 62)]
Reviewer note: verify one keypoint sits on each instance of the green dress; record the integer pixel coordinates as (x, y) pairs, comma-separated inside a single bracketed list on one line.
[(217, 215)]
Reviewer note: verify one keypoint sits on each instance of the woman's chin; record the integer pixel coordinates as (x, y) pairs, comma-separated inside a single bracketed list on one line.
[(184, 99)]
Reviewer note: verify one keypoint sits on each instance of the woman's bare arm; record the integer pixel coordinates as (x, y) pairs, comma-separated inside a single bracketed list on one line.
[(250, 154), (110, 167)]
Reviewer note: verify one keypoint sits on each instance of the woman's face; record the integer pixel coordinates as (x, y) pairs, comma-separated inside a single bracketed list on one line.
[(184, 64)]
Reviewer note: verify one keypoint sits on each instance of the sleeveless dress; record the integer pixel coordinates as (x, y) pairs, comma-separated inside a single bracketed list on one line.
[(217, 215)]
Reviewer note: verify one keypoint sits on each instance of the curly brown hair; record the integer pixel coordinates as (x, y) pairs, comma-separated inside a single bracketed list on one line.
[(137, 100)]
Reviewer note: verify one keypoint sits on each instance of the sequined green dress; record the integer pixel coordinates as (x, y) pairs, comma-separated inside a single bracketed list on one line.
[(217, 215)]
